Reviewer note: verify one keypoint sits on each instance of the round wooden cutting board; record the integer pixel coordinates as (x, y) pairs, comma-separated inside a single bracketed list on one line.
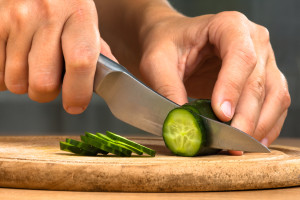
[(37, 163)]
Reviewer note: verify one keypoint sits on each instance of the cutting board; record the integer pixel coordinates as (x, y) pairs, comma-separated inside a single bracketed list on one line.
[(37, 163)]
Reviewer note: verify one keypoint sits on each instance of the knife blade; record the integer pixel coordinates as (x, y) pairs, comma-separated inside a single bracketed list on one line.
[(138, 105)]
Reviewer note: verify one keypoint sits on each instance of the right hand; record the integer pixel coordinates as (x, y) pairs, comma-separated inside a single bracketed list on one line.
[(38, 37)]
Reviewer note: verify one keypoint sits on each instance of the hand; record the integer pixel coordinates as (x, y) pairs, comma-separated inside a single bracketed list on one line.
[(225, 57), (37, 36)]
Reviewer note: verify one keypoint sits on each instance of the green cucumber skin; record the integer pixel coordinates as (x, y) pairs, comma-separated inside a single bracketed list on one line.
[(203, 107), (109, 144), (99, 150), (123, 145), (140, 147), (73, 149), (102, 146), (82, 145)]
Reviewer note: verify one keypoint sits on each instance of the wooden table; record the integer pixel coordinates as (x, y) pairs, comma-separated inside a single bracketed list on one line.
[(274, 194)]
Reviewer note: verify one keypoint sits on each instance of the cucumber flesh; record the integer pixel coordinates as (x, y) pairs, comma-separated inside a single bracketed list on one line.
[(140, 147), (183, 132), (71, 148)]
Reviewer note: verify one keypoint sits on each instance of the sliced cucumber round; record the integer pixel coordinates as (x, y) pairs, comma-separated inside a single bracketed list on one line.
[(140, 147), (71, 148), (183, 132), (82, 145), (122, 144), (109, 144)]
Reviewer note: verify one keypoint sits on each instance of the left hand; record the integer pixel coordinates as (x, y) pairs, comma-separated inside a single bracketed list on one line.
[(224, 57)]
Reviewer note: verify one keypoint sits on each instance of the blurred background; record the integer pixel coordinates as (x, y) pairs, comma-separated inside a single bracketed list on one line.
[(21, 116)]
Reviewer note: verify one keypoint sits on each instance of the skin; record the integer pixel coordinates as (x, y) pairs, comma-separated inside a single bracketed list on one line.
[(225, 57)]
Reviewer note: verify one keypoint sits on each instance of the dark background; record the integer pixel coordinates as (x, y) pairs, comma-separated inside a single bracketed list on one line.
[(21, 116)]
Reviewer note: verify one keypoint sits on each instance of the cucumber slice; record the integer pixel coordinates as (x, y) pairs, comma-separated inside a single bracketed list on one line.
[(107, 143), (122, 144), (71, 148), (84, 146), (183, 132), (140, 147), (103, 147)]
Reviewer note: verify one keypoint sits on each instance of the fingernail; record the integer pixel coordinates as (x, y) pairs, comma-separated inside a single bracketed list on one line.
[(265, 141), (226, 109), (75, 109)]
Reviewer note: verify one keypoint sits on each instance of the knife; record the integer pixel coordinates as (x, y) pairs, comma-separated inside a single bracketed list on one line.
[(138, 105)]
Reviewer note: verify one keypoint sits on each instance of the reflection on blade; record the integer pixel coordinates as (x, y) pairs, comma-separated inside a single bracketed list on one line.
[(223, 136), (134, 103)]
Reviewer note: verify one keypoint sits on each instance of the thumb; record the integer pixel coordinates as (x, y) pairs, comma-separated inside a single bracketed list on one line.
[(160, 71)]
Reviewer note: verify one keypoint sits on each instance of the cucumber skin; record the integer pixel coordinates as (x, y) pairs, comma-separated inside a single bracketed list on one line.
[(196, 108), (123, 145), (140, 147), (203, 107), (111, 145), (73, 149)]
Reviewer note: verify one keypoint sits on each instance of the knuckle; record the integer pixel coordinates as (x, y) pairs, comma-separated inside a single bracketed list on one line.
[(83, 60), (264, 35), (285, 99), (282, 95), (232, 16), (46, 9), (233, 85), (16, 83), (257, 88), (20, 13), (16, 86), (44, 84), (247, 55)]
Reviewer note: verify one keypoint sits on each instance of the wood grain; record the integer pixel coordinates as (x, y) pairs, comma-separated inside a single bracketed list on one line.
[(37, 163)]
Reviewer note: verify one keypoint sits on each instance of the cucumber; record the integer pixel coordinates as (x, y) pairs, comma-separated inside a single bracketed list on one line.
[(104, 142), (202, 107), (92, 144), (124, 145), (101, 146), (184, 132), (85, 146), (71, 148), (140, 147)]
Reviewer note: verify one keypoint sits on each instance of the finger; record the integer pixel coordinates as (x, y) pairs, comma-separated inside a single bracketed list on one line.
[(16, 65), (81, 48), (160, 72), (252, 97), (45, 61), (277, 98), (234, 43), (235, 153), (2, 65), (275, 131)]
